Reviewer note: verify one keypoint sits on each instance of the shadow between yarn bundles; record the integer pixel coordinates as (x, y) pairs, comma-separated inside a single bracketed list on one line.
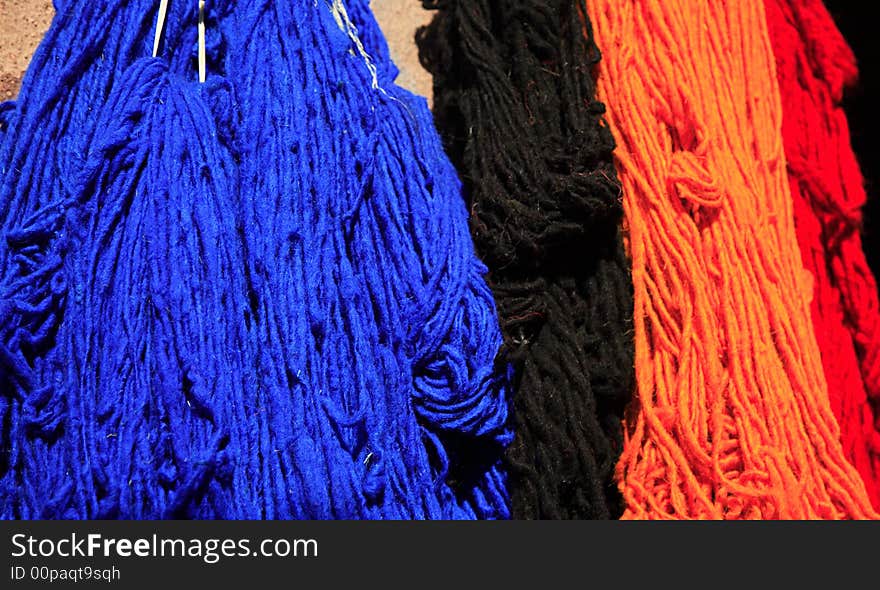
[(515, 102)]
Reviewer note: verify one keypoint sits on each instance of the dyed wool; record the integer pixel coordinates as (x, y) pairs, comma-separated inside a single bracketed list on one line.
[(516, 103), (159, 382), (48, 132), (732, 418), (261, 299), (813, 66), (383, 383)]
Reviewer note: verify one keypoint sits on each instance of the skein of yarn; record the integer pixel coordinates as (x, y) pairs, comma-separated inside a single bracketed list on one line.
[(161, 352), (48, 130), (252, 298), (515, 101), (383, 382), (814, 65), (732, 418)]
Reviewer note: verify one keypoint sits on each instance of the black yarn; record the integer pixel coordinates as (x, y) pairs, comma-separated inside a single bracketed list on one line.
[(515, 101)]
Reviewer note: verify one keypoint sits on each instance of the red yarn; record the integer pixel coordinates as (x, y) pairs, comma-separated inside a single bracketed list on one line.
[(814, 65)]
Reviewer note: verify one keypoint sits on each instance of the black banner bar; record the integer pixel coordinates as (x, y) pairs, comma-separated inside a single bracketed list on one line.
[(433, 554)]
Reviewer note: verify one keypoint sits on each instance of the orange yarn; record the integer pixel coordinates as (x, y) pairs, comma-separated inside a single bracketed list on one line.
[(732, 418)]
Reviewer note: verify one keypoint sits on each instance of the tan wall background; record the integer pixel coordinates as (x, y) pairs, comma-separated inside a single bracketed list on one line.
[(24, 22)]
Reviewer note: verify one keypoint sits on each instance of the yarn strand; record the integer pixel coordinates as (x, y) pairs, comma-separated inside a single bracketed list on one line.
[(236, 279), (732, 418), (515, 101), (814, 65)]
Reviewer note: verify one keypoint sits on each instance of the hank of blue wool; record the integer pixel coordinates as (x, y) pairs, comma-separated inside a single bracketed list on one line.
[(46, 137), (252, 298), (381, 380)]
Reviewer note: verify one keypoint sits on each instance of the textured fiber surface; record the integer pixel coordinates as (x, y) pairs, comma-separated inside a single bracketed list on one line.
[(24, 22), (814, 65), (855, 22), (249, 298), (733, 418), (515, 101)]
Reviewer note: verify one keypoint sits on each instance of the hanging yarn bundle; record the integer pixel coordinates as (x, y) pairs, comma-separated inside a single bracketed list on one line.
[(813, 65), (158, 386), (48, 130), (252, 298), (515, 100), (732, 418), (383, 383)]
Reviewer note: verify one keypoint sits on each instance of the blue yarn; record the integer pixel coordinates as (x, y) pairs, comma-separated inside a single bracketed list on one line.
[(161, 201), (251, 298), (47, 134), (392, 331)]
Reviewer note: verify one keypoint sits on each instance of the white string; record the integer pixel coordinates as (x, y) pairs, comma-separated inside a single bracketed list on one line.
[(202, 60)]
